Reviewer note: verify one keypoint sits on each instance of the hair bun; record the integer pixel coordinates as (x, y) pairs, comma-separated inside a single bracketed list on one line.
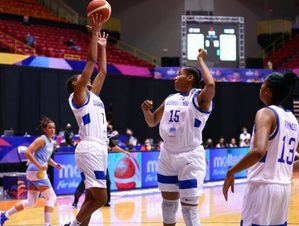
[(290, 78)]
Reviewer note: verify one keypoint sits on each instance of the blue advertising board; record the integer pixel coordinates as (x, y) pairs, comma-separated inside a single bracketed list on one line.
[(140, 169), (149, 167), (12, 148), (66, 180), (221, 159)]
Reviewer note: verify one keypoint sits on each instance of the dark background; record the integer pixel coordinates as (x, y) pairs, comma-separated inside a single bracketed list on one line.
[(27, 93)]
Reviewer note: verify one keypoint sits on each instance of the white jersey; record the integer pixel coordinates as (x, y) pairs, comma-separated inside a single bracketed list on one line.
[(91, 118), (277, 165), (182, 122)]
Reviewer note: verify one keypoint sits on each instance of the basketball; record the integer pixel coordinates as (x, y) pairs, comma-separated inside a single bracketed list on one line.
[(99, 6)]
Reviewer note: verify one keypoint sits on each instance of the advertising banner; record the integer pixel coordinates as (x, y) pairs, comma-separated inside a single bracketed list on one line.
[(221, 159), (12, 148), (124, 171), (149, 168), (66, 180)]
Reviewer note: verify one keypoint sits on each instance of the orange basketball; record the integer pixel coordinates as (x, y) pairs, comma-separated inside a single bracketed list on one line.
[(99, 6)]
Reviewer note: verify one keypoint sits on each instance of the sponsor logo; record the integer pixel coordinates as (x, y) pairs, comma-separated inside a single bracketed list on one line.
[(226, 161)]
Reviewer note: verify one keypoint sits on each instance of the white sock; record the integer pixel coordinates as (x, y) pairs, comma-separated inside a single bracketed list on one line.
[(47, 218), (190, 215), (11, 211), (75, 222)]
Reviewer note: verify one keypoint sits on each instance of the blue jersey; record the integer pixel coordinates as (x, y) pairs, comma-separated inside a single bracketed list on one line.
[(42, 155)]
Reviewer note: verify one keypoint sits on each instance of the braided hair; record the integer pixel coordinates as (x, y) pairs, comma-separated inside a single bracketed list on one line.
[(195, 72), (281, 85)]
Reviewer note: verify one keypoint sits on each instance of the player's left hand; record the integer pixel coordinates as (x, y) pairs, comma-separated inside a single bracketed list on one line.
[(229, 182), (201, 54), (58, 166), (102, 39)]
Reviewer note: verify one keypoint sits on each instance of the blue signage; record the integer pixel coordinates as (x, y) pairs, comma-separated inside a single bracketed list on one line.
[(149, 169), (66, 180), (140, 169), (224, 158)]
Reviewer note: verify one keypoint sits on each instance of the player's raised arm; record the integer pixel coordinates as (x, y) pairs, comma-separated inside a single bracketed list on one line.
[(152, 118), (100, 78), (80, 89), (207, 94)]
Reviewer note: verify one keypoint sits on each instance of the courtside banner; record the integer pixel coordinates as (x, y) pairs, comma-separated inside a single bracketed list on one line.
[(124, 171), (66, 180), (221, 159), (149, 168)]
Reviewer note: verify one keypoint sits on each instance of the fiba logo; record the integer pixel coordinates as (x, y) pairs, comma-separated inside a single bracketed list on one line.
[(126, 173)]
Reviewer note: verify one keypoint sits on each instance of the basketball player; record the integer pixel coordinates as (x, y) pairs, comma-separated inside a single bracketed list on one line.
[(88, 108), (181, 165), (270, 160), (81, 187), (39, 156)]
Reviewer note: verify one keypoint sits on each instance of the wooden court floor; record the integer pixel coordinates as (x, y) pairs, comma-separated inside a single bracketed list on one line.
[(129, 209)]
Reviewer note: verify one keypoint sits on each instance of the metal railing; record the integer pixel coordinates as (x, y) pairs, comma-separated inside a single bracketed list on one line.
[(276, 44), (135, 51), (61, 10), (16, 45)]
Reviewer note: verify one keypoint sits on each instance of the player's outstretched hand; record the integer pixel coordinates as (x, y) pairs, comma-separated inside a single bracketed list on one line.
[(147, 105), (229, 182), (96, 23), (201, 54), (102, 39)]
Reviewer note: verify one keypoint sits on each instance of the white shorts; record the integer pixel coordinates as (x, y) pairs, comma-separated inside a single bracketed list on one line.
[(266, 204), (91, 159), (182, 172)]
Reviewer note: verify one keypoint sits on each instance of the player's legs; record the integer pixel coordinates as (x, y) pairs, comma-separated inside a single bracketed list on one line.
[(170, 206), (50, 197), (32, 196), (79, 191), (93, 174), (191, 174), (168, 185), (94, 199)]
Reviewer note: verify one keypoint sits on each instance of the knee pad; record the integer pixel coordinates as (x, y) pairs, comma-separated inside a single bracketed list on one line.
[(190, 200), (50, 197), (31, 199), (190, 215), (169, 209)]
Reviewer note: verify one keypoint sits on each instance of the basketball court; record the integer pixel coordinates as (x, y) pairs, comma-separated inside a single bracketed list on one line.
[(142, 208)]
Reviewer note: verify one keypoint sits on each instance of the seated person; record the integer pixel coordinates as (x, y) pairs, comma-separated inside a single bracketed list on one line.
[(30, 39)]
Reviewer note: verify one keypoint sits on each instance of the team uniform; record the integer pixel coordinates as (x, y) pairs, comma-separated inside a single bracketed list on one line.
[(267, 196), (36, 177), (182, 162), (91, 153)]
